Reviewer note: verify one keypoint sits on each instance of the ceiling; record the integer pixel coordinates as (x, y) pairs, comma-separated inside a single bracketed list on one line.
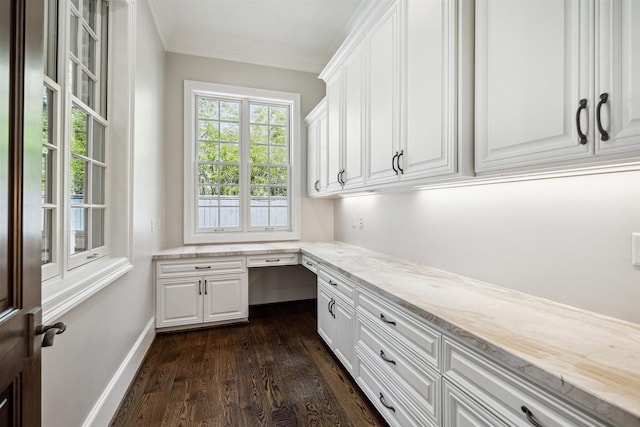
[(293, 34)]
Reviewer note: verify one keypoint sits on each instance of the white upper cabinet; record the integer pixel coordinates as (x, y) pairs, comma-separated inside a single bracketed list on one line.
[(317, 177), (532, 70), (354, 132), (334, 134), (383, 92), (429, 77), (618, 76), (556, 94)]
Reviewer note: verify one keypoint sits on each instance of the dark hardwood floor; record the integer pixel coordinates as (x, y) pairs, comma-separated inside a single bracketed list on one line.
[(274, 371)]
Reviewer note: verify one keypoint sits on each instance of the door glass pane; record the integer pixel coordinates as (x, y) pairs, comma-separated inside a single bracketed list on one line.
[(88, 51), (89, 12), (47, 236), (78, 235), (97, 185), (78, 180), (79, 131), (48, 174), (98, 151), (97, 228), (51, 45)]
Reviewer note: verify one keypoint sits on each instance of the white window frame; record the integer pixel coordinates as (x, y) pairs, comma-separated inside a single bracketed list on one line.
[(191, 233), (66, 285)]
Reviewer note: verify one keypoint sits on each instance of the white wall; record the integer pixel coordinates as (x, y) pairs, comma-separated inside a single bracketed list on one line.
[(566, 239), (317, 215), (102, 331)]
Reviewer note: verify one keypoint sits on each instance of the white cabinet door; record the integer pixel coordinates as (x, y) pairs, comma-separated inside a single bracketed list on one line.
[(313, 159), (462, 411), (618, 76), (226, 298), (323, 142), (334, 135), (354, 90), (343, 339), (533, 67), (428, 131), (326, 324), (179, 301), (382, 88)]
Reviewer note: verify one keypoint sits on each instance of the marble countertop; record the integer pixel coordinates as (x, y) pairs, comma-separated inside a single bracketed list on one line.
[(589, 358)]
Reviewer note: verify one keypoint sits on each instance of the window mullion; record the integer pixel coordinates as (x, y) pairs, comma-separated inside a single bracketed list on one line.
[(245, 167)]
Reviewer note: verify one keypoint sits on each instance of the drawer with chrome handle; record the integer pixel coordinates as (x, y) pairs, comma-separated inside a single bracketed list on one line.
[(412, 333)]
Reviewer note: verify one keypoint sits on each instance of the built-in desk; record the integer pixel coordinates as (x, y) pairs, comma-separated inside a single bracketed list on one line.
[(561, 357)]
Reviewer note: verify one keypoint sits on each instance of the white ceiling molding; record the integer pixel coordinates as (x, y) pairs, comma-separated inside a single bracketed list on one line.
[(220, 46)]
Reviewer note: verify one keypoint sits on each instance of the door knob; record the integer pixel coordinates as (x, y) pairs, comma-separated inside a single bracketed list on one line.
[(49, 332)]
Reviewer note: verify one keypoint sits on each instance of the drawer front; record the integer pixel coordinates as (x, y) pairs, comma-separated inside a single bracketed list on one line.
[(413, 334), (272, 260), (310, 264), (419, 384), (462, 411), (391, 404), (508, 394), (336, 281), (201, 267)]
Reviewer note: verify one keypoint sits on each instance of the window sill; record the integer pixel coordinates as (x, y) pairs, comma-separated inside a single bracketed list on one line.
[(59, 296), (241, 237)]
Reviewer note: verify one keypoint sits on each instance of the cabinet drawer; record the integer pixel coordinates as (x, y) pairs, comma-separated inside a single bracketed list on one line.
[(201, 266), (272, 260), (310, 264), (336, 281), (414, 335), (506, 393), (390, 403), (420, 383), (462, 411)]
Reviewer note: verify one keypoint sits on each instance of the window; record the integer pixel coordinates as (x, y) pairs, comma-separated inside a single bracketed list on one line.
[(241, 169), (74, 135)]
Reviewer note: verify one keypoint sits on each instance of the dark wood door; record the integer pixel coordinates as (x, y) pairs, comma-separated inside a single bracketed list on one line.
[(21, 23)]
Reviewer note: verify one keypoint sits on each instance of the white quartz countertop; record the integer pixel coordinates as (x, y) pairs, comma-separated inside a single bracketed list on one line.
[(589, 358)]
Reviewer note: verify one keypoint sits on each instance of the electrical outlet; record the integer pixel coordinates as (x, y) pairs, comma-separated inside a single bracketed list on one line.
[(635, 248), (361, 222)]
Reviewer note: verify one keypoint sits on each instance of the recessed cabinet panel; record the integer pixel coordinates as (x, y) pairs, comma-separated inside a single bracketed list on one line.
[(429, 116), (334, 135), (618, 62), (383, 93), (225, 298), (461, 411), (529, 81), (354, 90), (345, 319), (313, 159), (326, 324), (179, 302)]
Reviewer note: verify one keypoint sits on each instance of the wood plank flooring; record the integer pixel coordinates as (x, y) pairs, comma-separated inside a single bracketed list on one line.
[(274, 371)]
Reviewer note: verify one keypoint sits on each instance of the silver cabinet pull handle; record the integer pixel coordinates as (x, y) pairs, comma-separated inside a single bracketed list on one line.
[(205, 287), (199, 287), (582, 136), (208, 267), (604, 135), (332, 283), (272, 260)]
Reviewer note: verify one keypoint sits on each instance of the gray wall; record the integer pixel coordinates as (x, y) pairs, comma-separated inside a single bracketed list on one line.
[(565, 239), (102, 330), (317, 215)]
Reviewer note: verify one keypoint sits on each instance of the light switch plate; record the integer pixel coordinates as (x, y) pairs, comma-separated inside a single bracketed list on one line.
[(635, 248)]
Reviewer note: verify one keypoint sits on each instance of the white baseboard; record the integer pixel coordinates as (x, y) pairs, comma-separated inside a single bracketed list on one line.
[(106, 406)]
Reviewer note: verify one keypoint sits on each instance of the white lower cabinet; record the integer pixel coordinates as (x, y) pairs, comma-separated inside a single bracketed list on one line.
[(417, 376), (336, 318), (202, 292)]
